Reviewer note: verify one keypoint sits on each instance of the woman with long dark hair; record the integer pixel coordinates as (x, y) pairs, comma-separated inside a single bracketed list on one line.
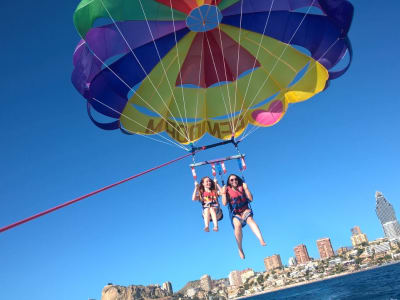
[(238, 196), (207, 192)]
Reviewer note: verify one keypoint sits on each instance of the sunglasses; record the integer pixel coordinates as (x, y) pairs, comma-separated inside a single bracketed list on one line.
[(233, 179)]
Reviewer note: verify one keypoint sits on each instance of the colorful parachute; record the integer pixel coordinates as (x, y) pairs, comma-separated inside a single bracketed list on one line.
[(190, 67)]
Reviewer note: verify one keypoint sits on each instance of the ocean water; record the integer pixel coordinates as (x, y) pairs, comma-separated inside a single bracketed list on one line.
[(381, 283)]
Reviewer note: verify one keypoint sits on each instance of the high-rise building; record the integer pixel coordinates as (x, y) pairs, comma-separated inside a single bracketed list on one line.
[(301, 254), (387, 217), (392, 230), (272, 262), (357, 237), (167, 286), (355, 230), (325, 248), (292, 261), (205, 282), (235, 278)]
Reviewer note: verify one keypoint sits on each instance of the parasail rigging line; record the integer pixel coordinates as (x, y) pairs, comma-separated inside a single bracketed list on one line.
[(168, 141), (277, 60), (179, 66), (255, 128), (255, 59), (45, 212), (144, 71), (163, 67)]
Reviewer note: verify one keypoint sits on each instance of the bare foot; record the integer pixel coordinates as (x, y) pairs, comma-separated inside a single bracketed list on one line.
[(263, 243), (241, 253), (206, 229), (215, 228)]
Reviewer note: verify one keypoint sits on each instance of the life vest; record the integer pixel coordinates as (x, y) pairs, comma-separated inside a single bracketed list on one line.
[(209, 199), (238, 201)]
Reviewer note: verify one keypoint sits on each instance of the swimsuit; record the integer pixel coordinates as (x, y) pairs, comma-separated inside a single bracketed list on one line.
[(238, 203), (209, 200)]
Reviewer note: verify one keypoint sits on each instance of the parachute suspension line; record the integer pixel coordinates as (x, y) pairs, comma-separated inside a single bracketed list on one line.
[(180, 73), (144, 71), (232, 109), (216, 73), (193, 153), (308, 70), (127, 85), (3, 229), (237, 64), (255, 59), (240, 159), (221, 170), (163, 67), (228, 112), (278, 59), (169, 142), (198, 90)]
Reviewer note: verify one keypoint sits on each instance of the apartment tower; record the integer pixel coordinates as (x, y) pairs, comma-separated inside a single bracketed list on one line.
[(301, 254), (272, 262), (325, 248)]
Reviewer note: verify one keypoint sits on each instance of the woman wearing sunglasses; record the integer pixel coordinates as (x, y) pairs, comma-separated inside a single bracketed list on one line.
[(237, 196)]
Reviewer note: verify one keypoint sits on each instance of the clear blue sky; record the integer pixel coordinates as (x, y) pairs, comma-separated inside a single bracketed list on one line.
[(313, 175)]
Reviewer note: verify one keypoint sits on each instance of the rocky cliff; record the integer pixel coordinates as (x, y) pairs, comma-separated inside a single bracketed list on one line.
[(134, 292)]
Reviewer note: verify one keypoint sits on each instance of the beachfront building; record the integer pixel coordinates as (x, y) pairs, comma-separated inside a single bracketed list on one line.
[(235, 278), (292, 262), (301, 254), (325, 248), (342, 250), (378, 248), (355, 230), (246, 274), (272, 262), (357, 237), (206, 283), (387, 217), (167, 286)]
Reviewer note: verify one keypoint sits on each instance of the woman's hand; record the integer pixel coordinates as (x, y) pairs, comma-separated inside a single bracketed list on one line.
[(245, 186)]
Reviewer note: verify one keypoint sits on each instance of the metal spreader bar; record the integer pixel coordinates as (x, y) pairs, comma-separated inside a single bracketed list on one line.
[(214, 161)]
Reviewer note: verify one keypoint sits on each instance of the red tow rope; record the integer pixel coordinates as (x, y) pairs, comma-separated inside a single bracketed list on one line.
[(90, 194)]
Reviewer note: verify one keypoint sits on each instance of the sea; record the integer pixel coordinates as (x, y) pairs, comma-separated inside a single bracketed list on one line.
[(381, 283)]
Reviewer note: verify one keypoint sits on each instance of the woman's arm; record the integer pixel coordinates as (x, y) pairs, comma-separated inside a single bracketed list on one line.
[(196, 194), (224, 196), (218, 187), (247, 191)]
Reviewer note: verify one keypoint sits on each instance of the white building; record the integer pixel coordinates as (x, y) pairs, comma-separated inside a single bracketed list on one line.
[(392, 230), (167, 286), (246, 274), (235, 278), (292, 261), (206, 283)]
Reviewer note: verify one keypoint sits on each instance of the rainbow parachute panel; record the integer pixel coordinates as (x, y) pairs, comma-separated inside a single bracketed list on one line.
[(190, 67)]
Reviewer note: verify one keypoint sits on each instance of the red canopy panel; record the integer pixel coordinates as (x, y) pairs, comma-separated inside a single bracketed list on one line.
[(214, 64), (186, 6)]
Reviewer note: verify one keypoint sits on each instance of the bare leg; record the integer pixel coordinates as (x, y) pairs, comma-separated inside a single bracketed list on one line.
[(256, 230), (238, 236), (214, 218), (206, 216)]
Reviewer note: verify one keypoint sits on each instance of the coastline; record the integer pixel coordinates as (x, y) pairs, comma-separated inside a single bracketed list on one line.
[(315, 280)]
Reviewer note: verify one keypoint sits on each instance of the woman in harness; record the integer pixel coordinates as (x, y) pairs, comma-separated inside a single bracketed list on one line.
[(237, 196), (207, 192)]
